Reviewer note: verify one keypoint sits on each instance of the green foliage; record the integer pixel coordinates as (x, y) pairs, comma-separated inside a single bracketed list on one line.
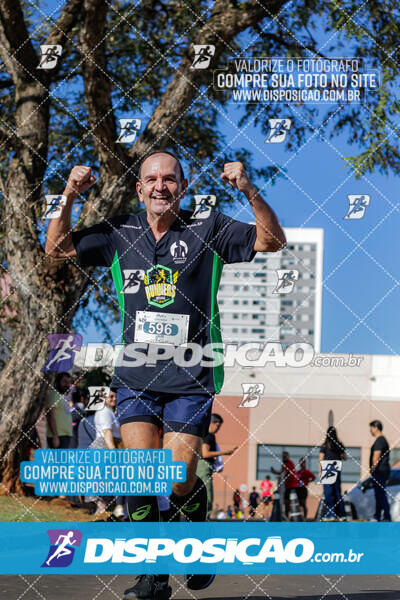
[(144, 46)]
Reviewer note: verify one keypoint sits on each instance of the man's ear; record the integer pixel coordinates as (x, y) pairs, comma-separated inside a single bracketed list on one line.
[(139, 190)]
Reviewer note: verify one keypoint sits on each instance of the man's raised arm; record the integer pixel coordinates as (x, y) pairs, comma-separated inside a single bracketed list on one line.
[(270, 235), (59, 239)]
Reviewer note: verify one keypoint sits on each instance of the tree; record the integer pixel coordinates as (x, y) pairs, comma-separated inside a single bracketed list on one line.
[(118, 57)]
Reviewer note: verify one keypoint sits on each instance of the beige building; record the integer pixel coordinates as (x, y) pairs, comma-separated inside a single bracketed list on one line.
[(293, 414)]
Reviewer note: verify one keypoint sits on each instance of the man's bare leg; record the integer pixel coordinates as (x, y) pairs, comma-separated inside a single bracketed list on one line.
[(141, 435), (185, 447)]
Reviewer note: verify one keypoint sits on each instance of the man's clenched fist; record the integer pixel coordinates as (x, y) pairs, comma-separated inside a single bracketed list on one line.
[(234, 173), (80, 179)]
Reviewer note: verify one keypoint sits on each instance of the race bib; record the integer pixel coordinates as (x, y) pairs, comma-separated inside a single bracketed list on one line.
[(161, 328)]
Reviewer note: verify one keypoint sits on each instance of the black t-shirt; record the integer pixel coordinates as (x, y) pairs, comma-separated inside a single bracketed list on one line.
[(332, 452), (382, 445), (253, 499), (210, 439), (167, 294)]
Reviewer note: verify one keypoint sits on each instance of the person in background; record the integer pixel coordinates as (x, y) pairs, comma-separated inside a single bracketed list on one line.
[(229, 512), (77, 403), (254, 501), (266, 496), (291, 480), (333, 449), (237, 502), (58, 416), (209, 453), (305, 477), (380, 470)]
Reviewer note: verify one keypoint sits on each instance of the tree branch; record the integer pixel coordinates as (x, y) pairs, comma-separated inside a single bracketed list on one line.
[(112, 156), (16, 49), (60, 31), (224, 24)]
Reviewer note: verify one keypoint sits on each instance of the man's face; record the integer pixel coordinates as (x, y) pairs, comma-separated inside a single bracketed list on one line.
[(373, 431), (214, 427), (65, 383), (160, 186), (111, 400), (285, 456)]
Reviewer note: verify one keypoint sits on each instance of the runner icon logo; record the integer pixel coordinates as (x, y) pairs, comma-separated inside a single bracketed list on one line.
[(62, 351), (278, 130), (179, 251), (132, 280), (251, 394), (357, 206), (62, 547), (203, 54), (204, 205), (330, 470), (49, 56), (286, 280), (128, 130), (159, 284)]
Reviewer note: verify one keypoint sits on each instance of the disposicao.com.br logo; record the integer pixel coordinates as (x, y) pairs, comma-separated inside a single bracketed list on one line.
[(191, 550)]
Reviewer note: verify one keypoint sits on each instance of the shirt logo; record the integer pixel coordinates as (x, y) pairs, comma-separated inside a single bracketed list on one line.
[(179, 251), (132, 280), (159, 285), (62, 547)]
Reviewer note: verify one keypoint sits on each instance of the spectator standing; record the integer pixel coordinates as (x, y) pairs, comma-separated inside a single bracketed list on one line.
[(305, 477), (333, 449), (291, 480), (77, 402), (237, 502), (58, 416), (209, 453), (254, 501), (266, 496), (380, 470)]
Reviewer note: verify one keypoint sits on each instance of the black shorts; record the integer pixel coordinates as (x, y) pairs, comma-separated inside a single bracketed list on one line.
[(303, 493), (266, 499)]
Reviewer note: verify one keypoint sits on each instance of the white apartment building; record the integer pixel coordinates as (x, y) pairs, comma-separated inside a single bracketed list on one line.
[(253, 310)]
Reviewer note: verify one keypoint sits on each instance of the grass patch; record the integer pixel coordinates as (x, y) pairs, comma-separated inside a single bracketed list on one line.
[(22, 508)]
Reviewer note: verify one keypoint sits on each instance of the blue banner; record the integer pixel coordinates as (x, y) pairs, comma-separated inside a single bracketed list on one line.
[(89, 472), (222, 547)]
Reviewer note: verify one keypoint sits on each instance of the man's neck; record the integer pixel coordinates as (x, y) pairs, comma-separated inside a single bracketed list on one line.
[(159, 224)]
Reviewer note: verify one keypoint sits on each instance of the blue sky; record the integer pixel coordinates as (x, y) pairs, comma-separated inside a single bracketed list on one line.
[(361, 267)]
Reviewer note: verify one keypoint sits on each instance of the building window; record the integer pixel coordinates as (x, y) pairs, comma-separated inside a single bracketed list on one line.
[(287, 303), (271, 455), (236, 302)]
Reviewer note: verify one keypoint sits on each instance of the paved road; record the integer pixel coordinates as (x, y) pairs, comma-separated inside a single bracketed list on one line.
[(226, 587)]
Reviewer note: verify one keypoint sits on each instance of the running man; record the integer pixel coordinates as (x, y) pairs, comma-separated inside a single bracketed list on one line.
[(62, 550), (181, 310)]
